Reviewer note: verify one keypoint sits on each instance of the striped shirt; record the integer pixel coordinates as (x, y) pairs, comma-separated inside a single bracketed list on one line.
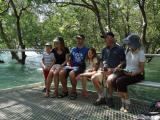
[(48, 59)]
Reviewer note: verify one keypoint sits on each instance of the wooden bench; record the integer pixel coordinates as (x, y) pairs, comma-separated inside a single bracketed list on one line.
[(149, 84)]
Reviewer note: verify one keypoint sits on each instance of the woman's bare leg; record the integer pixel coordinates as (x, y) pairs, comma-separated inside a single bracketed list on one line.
[(62, 78), (56, 81)]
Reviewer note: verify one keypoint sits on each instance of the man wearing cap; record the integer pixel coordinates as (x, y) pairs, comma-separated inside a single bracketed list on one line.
[(77, 57), (134, 71), (113, 57)]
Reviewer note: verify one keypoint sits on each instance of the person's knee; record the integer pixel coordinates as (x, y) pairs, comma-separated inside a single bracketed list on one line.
[(50, 75), (72, 74), (109, 80), (51, 72), (62, 73), (56, 73), (95, 79)]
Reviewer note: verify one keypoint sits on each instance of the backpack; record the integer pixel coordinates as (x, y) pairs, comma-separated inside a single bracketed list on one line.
[(153, 112)]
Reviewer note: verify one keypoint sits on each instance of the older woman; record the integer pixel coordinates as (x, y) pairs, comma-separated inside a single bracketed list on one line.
[(134, 71)]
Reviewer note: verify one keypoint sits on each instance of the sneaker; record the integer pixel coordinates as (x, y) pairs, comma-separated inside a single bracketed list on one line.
[(85, 94), (110, 102), (100, 102), (125, 111), (122, 109), (127, 104)]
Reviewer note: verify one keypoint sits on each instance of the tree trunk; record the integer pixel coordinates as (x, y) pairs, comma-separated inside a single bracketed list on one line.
[(19, 34), (21, 41), (97, 13), (8, 43), (109, 17), (127, 19), (141, 4)]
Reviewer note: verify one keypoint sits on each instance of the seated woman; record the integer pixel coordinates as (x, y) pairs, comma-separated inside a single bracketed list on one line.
[(92, 65), (134, 71), (61, 56)]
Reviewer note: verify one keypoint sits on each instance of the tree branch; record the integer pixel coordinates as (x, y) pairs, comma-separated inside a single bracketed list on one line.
[(23, 9), (14, 8), (73, 3), (1, 13)]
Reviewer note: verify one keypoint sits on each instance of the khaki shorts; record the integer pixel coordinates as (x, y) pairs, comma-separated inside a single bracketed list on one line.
[(102, 77)]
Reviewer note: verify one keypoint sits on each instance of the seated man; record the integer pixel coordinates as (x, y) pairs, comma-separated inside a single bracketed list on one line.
[(77, 55), (112, 57)]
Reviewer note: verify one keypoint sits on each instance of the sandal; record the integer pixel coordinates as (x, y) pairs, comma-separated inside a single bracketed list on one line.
[(44, 90), (85, 94), (73, 96), (46, 95), (64, 94), (55, 95), (100, 102)]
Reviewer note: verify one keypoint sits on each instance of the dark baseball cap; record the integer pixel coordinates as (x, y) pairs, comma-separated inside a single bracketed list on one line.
[(107, 34), (80, 36)]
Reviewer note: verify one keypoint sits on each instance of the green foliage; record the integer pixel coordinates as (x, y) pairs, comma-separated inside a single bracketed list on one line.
[(43, 21)]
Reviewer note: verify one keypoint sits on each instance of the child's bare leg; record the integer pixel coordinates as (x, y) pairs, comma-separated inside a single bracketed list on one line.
[(84, 83)]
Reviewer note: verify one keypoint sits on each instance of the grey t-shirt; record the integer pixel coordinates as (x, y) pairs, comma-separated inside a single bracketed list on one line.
[(112, 57)]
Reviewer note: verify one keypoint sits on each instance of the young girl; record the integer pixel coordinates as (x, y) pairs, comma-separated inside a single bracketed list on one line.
[(92, 65), (48, 60)]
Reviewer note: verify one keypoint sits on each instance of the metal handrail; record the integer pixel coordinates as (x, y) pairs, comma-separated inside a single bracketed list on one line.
[(23, 50), (147, 55)]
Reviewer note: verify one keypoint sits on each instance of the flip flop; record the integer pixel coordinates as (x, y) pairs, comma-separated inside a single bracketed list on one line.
[(73, 96)]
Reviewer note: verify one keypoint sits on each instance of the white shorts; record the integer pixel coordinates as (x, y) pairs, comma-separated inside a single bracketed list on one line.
[(56, 66)]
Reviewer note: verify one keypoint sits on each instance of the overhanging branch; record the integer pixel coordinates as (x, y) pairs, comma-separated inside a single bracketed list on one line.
[(4, 11), (74, 3)]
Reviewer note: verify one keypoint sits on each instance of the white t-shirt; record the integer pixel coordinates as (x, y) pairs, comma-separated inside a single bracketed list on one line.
[(90, 64), (133, 59), (48, 58)]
